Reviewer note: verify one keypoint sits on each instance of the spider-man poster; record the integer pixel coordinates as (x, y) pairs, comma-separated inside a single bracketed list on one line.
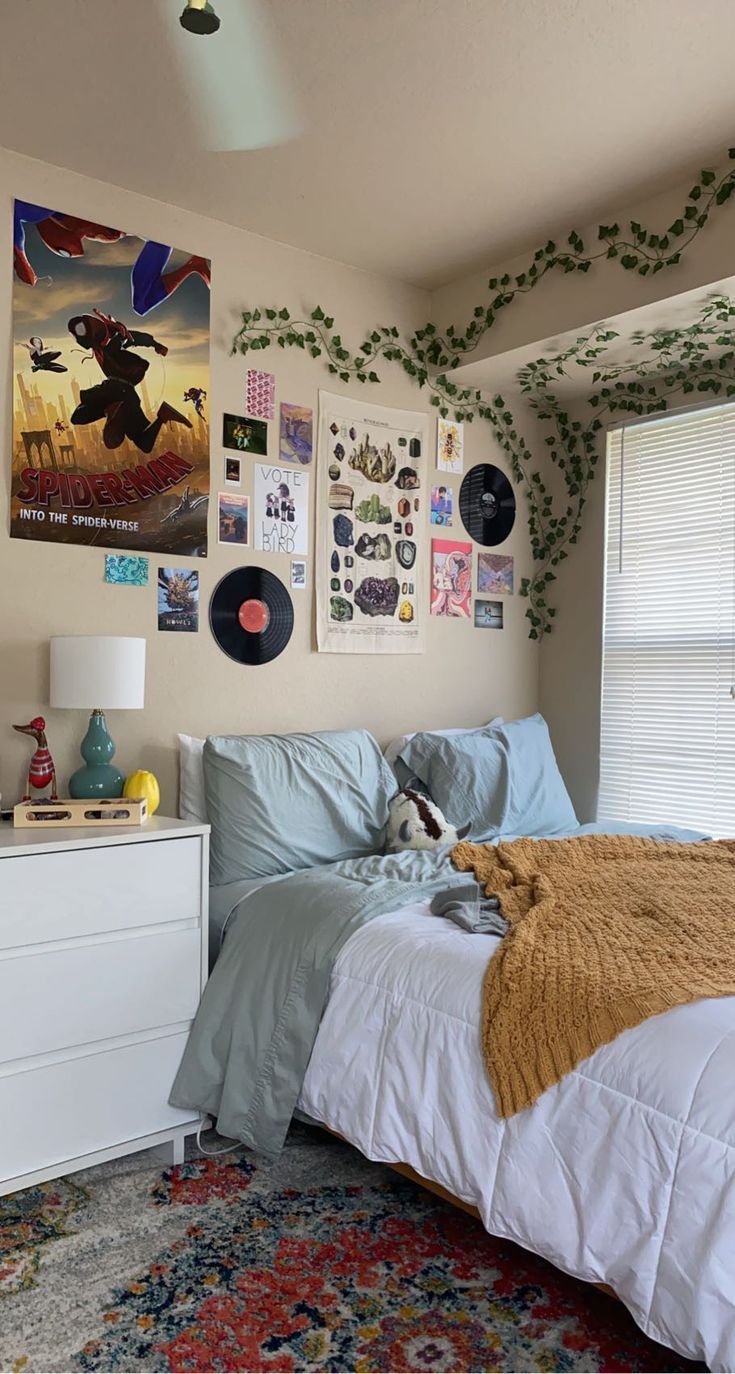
[(111, 369)]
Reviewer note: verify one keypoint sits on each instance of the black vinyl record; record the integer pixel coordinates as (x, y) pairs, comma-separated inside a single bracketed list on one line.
[(251, 615), (487, 504)]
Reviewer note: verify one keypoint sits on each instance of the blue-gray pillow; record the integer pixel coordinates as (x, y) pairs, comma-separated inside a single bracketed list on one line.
[(503, 780), (282, 802)]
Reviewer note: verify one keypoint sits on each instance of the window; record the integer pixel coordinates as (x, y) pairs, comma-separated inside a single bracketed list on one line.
[(667, 749)]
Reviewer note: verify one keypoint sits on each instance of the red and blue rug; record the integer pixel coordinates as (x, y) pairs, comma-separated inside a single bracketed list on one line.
[(225, 1265)]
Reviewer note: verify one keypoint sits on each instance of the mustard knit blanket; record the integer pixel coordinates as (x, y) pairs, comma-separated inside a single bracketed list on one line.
[(605, 931)]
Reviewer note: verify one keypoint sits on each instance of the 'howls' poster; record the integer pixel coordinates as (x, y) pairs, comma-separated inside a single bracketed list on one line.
[(111, 369)]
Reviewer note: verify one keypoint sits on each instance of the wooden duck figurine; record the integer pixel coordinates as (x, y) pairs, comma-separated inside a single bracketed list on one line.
[(41, 770)]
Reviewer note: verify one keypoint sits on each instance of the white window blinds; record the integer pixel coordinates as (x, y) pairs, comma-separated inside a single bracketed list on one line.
[(667, 748)]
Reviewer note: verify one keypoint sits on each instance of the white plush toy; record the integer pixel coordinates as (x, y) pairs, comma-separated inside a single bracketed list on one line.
[(415, 822)]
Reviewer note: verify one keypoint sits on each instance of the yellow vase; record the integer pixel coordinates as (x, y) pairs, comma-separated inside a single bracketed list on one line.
[(143, 784)]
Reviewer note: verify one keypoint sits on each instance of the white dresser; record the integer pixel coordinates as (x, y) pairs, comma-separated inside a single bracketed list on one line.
[(103, 956)]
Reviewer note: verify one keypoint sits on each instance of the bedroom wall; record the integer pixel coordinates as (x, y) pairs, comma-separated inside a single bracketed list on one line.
[(466, 675), (569, 301), (570, 658)]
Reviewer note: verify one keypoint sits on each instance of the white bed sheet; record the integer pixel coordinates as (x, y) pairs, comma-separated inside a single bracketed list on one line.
[(623, 1173)]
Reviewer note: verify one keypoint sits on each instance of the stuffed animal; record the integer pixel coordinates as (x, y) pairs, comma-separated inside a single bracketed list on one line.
[(415, 822)]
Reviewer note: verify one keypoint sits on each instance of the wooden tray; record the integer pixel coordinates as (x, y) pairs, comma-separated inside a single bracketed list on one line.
[(38, 815)]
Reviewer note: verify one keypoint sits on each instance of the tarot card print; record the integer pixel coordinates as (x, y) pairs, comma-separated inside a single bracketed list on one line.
[(178, 599), (234, 519), (126, 570), (298, 574), (450, 446), (247, 436), (451, 578), (495, 573), (260, 394), (296, 434), (442, 505), (488, 615)]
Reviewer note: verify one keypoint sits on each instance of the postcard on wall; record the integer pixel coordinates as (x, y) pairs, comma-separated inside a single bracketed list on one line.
[(298, 574), (451, 577), (449, 446), (495, 573), (296, 436), (281, 509), (442, 505), (233, 518), (247, 436), (111, 365), (488, 615), (178, 599), (233, 472), (372, 499), (126, 570), (260, 394)]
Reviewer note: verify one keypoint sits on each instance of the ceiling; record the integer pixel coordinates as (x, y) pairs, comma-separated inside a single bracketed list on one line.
[(430, 137)]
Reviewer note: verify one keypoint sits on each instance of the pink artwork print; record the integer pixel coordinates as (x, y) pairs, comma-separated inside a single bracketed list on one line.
[(260, 394), (451, 577)]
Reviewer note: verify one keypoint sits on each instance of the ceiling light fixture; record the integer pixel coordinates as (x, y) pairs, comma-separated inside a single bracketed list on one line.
[(199, 17)]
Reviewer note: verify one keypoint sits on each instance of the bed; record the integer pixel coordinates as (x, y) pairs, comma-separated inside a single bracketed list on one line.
[(622, 1174)]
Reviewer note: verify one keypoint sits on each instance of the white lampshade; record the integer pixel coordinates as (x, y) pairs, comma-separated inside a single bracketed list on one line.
[(107, 671)]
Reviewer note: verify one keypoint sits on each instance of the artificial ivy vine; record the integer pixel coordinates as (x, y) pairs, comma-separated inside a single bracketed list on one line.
[(670, 363)]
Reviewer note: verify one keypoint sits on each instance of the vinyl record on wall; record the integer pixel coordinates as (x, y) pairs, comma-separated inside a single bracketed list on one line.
[(251, 615), (487, 504)]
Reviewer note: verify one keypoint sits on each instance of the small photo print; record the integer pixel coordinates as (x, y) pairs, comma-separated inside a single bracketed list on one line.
[(126, 570), (297, 434), (260, 393), (495, 573), (298, 574), (178, 599), (442, 503), (488, 615), (451, 578), (234, 519), (232, 472), (449, 446), (247, 436)]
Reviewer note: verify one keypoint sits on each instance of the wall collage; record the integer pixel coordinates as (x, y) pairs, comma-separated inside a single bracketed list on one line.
[(111, 447)]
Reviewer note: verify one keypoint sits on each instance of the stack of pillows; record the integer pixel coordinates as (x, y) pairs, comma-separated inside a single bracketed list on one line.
[(279, 803)]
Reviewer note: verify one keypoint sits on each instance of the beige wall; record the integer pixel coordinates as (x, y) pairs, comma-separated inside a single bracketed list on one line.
[(566, 301), (466, 675), (571, 656)]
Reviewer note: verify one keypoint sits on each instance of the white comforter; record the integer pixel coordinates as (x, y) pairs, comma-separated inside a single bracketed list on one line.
[(623, 1173)]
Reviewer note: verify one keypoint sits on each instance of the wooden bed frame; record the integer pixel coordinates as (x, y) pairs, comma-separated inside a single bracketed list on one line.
[(436, 1188)]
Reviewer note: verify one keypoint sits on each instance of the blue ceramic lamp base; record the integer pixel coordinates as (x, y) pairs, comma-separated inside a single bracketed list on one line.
[(98, 778)]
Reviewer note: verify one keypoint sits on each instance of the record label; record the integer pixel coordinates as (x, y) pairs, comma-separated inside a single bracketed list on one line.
[(251, 615), (487, 504), (254, 616)]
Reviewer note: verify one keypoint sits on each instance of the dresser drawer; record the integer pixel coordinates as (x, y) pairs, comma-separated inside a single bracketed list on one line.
[(72, 893), (71, 996), (63, 1110)]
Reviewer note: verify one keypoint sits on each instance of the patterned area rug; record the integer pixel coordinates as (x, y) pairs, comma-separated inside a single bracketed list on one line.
[(237, 1264)]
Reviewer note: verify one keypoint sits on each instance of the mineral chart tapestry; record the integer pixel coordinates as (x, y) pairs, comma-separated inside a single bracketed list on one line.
[(372, 505)]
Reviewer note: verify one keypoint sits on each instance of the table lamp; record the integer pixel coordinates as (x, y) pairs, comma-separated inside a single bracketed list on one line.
[(97, 672)]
